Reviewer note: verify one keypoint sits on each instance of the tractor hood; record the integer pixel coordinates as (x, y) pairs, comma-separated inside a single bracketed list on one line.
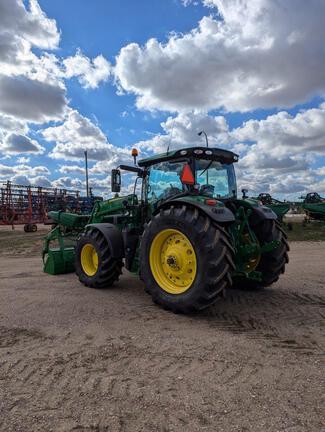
[(223, 156)]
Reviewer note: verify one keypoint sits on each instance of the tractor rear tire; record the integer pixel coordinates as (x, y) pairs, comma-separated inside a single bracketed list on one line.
[(272, 264), (186, 260), (95, 267)]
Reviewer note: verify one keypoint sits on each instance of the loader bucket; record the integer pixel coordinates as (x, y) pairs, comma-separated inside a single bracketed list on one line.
[(58, 252), (59, 261)]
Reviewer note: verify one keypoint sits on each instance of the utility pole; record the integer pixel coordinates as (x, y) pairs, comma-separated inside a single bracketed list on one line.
[(86, 165)]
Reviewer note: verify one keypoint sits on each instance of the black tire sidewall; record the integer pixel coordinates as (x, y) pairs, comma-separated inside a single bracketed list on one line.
[(172, 222), (84, 278)]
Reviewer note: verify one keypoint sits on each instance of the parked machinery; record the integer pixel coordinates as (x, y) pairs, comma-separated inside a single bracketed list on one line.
[(187, 234), (314, 206), (280, 208), (29, 205)]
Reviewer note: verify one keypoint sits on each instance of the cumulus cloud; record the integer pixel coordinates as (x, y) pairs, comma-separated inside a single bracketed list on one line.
[(11, 124), (31, 100), (31, 24), (281, 132), (68, 183), (182, 131), (77, 134), (90, 73), (254, 54), (24, 180), (17, 144), (31, 85), (27, 170), (71, 169), (276, 153)]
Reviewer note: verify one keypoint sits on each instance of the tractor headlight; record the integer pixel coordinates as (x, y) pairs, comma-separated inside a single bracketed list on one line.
[(198, 151), (183, 152)]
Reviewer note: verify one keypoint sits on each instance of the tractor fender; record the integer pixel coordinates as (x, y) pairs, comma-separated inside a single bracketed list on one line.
[(217, 214), (113, 236), (261, 213)]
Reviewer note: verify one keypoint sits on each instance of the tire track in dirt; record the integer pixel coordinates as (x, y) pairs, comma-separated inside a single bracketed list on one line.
[(286, 320)]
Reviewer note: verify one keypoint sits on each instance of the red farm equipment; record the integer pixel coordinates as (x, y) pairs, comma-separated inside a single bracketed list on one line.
[(29, 205)]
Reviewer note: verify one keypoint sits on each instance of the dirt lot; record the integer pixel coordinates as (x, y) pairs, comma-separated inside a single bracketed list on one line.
[(77, 359)]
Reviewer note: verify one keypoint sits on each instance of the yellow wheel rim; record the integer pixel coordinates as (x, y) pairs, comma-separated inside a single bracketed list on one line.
[(173, 261), (89, 259)]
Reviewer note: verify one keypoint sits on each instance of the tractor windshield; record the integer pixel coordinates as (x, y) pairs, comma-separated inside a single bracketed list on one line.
[(164, 180), (212, 179), (215, 179)]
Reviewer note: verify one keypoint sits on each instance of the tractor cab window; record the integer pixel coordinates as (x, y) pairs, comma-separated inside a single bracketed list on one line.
[(164, 180), (215, 179)]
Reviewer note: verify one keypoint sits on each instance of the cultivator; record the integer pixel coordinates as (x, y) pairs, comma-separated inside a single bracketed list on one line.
[(29, 205)]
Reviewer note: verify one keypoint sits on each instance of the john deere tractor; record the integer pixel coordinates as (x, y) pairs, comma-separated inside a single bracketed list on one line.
[(186, 234)]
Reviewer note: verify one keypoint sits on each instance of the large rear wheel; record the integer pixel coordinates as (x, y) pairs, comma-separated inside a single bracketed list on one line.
[(94, 264), (186, 260)]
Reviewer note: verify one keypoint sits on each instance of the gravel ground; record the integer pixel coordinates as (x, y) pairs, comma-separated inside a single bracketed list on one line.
[(77, 359)]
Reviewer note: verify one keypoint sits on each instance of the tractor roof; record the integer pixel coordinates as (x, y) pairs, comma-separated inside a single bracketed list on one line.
[(223, 156)]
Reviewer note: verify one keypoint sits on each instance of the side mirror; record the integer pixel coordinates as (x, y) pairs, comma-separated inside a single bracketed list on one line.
[(116, 180), (244, 192)]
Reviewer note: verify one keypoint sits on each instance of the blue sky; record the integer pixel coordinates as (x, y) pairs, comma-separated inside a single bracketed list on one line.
[(106, 76)]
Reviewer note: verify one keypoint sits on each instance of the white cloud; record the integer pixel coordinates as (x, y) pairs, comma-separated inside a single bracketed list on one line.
[(255, 54), (71, 169), (68, 183), (11, 124), (90, 73), (23, 160), (182, 131), (31, 100), (31, 86), (30, 24), (41, 181), (24, 180), (276, 153), (281, 132), (17, 144), (40, 170), (77, 134)]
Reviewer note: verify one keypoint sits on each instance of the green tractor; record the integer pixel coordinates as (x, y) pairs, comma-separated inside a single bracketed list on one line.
[(186, 234)]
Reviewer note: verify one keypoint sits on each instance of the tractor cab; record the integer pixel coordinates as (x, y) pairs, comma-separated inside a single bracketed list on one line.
[(196, 171)]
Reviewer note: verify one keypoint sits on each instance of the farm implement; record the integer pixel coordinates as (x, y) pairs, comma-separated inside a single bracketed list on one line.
[(29, 205), (186, 234), (280, 208), (314, 206)]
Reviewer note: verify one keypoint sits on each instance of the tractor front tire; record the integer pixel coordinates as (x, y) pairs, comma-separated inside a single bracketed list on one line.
[(95, 266), (186, 260), (272, 264)]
